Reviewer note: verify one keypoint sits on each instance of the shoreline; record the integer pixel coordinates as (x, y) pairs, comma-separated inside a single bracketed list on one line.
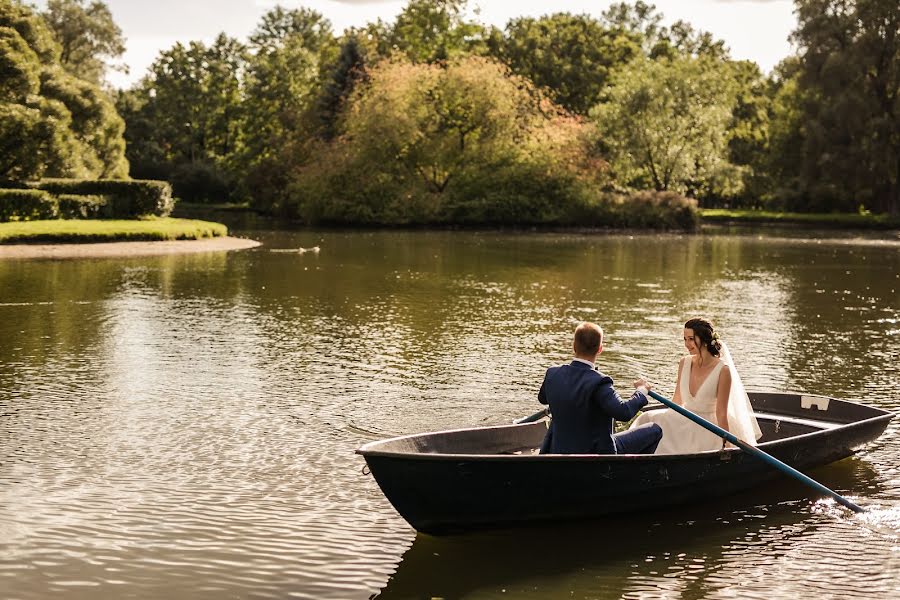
[(124, 249)]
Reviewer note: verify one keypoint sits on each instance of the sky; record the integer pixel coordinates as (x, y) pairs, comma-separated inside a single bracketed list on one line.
[(753, 29)]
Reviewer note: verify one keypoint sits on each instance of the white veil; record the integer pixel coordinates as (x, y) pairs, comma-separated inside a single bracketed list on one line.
[(741, 421)]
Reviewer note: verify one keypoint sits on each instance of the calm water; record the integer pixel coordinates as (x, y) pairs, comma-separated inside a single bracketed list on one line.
[(184, 427)]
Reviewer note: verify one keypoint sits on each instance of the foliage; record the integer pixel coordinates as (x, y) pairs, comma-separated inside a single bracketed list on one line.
[(435, 30), (348, 71), (51, 123), (749, 130), (87, 35), (126, 199), (849, 87), (147, 149), (571, 55), (85, 231), (24, 204), (651, 209), (658, 41), (830, 220), (279, 92), (186, 110), (305, 27), (81, 207), (201, 181), (664, 125), (465, 143)]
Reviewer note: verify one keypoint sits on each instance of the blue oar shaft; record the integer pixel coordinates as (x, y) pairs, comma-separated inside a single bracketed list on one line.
[(750, 449)]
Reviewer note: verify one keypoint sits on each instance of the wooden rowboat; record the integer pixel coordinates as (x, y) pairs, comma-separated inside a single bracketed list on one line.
[(455, 481)]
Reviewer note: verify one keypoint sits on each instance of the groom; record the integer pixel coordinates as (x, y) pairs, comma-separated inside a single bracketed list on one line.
[(584, 405)]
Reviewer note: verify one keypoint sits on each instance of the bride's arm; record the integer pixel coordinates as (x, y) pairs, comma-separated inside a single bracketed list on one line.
[(676, 397), (723, 390)]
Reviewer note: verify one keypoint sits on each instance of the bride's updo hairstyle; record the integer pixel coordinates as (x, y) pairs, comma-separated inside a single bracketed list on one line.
[(703, 330)]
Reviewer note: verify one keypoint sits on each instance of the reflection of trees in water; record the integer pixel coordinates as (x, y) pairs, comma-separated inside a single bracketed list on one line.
[(687, 552), (53, 314)]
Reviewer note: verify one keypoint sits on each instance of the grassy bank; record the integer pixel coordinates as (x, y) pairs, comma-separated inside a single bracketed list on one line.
[(856, 221), (84, 231)]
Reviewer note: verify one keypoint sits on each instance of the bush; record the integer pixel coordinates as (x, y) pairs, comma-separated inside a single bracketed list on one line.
[(659, 210), (640, 210), (81, 207), (27, 205), (517, 193), (125, 199), (202, 182)]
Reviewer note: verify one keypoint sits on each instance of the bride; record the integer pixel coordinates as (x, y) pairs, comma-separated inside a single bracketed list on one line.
[(708, 385)]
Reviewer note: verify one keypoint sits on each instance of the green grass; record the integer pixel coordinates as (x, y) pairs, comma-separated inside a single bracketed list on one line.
[(84, 231), (867, 221)]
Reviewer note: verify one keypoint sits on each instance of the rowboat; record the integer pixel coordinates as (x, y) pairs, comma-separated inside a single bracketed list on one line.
[(465, 479)]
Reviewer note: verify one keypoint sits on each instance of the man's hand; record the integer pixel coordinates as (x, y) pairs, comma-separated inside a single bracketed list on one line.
[(642, 386)]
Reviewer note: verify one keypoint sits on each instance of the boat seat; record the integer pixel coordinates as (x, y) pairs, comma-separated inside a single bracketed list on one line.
[(797, 420)]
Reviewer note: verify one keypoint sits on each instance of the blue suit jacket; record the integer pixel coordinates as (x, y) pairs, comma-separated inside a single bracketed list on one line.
[(584, 406)]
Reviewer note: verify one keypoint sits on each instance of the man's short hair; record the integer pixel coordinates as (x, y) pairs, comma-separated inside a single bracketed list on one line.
[(588, 338)]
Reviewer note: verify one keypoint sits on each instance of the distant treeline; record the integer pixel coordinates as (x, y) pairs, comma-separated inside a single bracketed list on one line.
[(438, 119)]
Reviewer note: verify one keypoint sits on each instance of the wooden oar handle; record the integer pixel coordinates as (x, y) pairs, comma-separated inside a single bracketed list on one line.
[(532, 418)]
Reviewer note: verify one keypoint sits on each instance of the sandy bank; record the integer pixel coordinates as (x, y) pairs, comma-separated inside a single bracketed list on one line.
[(124, 249)]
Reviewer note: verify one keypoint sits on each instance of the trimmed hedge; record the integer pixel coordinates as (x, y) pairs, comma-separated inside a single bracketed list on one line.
[(27, 204), (124, 199), (81, 207)]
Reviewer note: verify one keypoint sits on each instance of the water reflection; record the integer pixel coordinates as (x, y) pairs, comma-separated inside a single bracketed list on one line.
[(184, 426)]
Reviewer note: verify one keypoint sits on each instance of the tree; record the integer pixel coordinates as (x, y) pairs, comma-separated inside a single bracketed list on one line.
[(748, 130), (639, 18), (665, 123), (51, 123), (195, 96), (849, 83), (658, 41), (275, 118), (348, 71), (87, 35), (184, 116), (570, 55), (464, 141), (306, 27), (436, 30)]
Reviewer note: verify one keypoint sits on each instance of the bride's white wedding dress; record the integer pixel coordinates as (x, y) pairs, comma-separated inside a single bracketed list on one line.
[(683, 436)]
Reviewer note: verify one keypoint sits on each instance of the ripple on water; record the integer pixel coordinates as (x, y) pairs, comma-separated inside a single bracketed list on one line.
[(185, 428)]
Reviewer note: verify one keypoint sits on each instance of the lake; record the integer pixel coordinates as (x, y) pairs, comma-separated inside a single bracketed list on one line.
[(185, 426)]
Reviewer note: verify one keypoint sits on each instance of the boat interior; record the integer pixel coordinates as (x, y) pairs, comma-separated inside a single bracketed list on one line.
[(780, 416)]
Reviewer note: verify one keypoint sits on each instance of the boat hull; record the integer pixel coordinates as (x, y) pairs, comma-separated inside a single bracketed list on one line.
[(449, 482)]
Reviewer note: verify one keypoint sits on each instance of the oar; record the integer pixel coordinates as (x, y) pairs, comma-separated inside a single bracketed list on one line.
[(786, 469), (532, 418)]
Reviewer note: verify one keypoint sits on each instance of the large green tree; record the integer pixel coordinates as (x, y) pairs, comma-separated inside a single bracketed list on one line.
[(665, 123), (849, 85), (276, 119), (570, 55), (87, 35), (191, 101), (462, 142), (291, 51), (51, 123)]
